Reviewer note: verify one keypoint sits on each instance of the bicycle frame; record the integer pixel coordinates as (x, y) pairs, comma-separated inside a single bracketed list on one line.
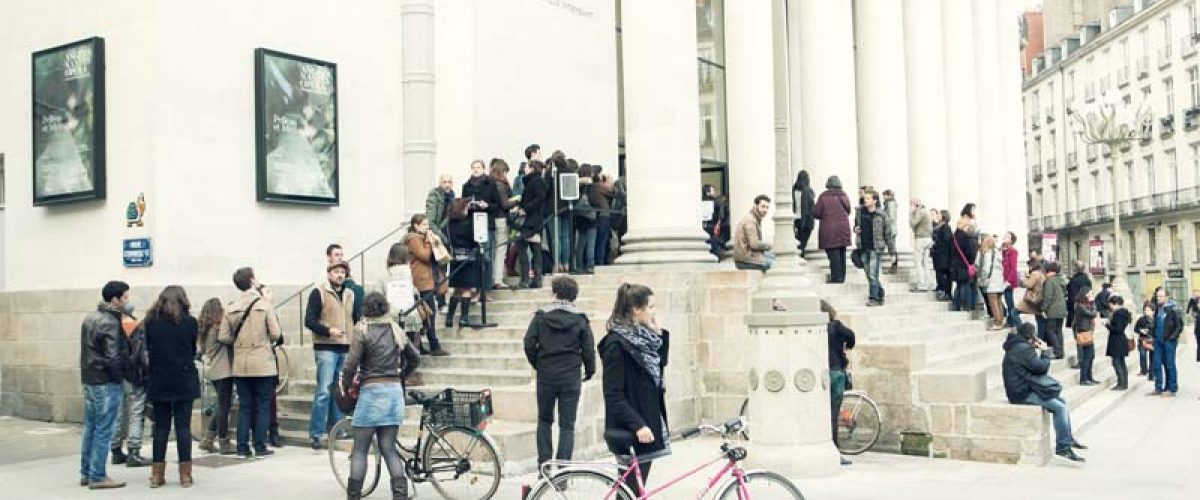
[(731, 468)]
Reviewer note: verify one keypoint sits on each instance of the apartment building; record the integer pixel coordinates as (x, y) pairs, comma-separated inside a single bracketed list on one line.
[(1144, 52)]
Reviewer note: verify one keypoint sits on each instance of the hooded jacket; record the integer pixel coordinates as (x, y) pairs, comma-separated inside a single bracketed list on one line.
[(1054, 297), (1021, 364), (558, 341)]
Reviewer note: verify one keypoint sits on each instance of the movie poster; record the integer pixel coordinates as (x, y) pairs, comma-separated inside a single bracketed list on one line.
[(68, 122), (1096, 256), (296, 125)]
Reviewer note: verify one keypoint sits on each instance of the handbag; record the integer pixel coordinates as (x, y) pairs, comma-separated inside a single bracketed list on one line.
[(1084, 338), (1045, 386), (347, 398), (961, 255), (856, 258), (1129, 344), (440, 254)]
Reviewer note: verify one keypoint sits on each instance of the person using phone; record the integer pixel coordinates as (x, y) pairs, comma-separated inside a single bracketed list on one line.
[(1027, 381)]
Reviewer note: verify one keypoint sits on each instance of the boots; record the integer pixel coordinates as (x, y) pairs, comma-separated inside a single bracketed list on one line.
[(450, 311), (207, 444), (135, 459), (400, 487), (273, 437), (226, 447), (185, 474), (466, 310), (118, 456), (354, 489), (158, 471)]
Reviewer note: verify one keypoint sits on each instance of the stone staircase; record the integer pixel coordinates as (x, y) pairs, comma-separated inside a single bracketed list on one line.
[(491, 358), (936, 375)]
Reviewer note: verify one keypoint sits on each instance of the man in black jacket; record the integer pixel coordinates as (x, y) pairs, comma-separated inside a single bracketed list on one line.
[(1026, 363), (557, 343), (1079, 281), (102, 363)]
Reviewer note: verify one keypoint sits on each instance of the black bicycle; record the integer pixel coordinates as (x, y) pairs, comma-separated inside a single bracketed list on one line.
[(452, 452)]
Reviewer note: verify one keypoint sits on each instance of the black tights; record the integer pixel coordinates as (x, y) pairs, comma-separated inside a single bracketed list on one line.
[(385, 438), (631, 480), (219, 423), (180, 412)]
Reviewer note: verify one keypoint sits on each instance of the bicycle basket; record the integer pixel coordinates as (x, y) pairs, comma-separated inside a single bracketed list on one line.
[(453, 408)]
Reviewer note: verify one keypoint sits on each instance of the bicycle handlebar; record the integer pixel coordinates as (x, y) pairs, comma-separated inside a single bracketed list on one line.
[(733, 426)]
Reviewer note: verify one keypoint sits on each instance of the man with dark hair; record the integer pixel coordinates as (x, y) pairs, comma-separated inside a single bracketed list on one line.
[(334, 255), (330, 316), (874, 237), (1079, 281), (1026, 365), (558, 342), (251, 327), (749, 249), (102, 363), (1054, 307), (1168, 326), (533, 152), (1102, 305)]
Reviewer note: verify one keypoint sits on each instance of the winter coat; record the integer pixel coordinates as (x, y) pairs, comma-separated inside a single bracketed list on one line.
[(840, 338), (435, 207), (253, 353), (1020, 366), (217, 362), (1077, 283), (483, 188), (1011, 277), (918, 220), (833, 210), (942, 247), (1085, 318), (1054, 297), (1173, 324), (534, 200), (890, 209), (881, 229), (1117, 324), (989, 267), (171, 348), (420, 261), (632, 399), (749, 246), (379, 352), (559, 342), (103, 353), (958, 262), (803, 197)]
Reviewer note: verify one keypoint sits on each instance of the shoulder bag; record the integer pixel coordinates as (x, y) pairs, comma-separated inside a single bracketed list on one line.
[(440, 254), (1045, 386), (238, 328), (961, 255), (1085, 338)]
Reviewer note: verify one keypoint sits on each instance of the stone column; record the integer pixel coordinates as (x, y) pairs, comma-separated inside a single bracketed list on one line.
[(420, 148), (662, 120), (961, 139), (927, 166), (992, 200), (883, 106), (785, 155), (750, 105), (822, 33), (1012, 121)]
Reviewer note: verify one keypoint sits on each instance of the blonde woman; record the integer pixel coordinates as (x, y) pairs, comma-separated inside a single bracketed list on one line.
[(989, 266)]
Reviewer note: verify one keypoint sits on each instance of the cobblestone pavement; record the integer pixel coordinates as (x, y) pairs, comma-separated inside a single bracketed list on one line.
[(1142, 435)]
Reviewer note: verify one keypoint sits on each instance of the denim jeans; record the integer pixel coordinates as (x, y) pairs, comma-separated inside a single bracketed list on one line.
[(219, 423), (768, 261), (1062, 418), (964, 296), (324, 412), (603, 231), (1013, 316), (1087, 356), (566, 395), (254, 400), (130, 425), (101, 403), (430, 325), (562, 248), (1162, 365), (585, 250), (1144, 357), (872, 259)]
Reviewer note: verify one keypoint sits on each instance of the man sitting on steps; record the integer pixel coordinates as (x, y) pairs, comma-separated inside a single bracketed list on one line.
[(749, 250), (1027, 381)]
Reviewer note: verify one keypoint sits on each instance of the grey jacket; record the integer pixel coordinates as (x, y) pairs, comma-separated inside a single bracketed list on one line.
[(918, 219), (881, 230)]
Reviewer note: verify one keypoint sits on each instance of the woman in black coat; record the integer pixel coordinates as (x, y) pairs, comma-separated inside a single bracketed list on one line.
[(464, 266), (534, 199), (172, 380), (1118, 348), (634, 353), (939, 253), (962, 254)]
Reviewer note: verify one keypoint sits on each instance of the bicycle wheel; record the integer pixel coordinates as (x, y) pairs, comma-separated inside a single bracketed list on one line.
[(283, 369), (461, 463), (745, 414), (341, 442), (761, 485), (579, 485), (859, 424)]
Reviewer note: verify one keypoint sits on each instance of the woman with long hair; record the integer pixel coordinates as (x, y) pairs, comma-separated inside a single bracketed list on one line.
[(382, 357), (962, 257), (1118, 343), (218, 370), (584, 254), (634, 353), (534, 201), (425, 270), (499, 174), (803, 201), (465, 265), (989, 265), (1085, 327), (172, 382)]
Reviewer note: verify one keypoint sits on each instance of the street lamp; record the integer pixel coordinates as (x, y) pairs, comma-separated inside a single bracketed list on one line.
[(1113, 127)]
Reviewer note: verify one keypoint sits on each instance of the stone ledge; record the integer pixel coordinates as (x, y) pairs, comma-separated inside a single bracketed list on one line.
[(952, 387)]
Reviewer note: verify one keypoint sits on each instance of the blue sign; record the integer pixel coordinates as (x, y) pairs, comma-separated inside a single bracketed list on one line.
[(137, 252)]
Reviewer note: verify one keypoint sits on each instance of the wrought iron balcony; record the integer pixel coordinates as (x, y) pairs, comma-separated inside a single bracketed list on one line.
[(1051, 167), (1166, 125), (1087, 215), (1165, 201), (1037, 173), (1143, 67), (1143, 204), (1126, 207), (1104, 213), (1188, 197), (1035, 224), (1069, 218), (1191, 118), (1072, 161)]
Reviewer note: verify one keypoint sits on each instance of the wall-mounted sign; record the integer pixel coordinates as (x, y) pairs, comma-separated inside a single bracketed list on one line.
[(137, 252), (1175, 274), (1050, 247), (480, 227), (1096, 256), (68, 123)]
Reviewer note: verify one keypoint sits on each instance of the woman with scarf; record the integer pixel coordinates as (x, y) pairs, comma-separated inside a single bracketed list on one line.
[(634, 354)]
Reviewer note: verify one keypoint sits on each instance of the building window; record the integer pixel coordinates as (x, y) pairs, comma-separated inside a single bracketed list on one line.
[(1191, 15), (1176, 245), (1038, 200), (1132, 244), (1149, 162), (1099, 189), (710, 56), (1172, 171), (1195, 164), (1169, 94), (1128, 178), (1075, 194), (1196, 241), (1194, 81), (1166, 31), (1151, 247)]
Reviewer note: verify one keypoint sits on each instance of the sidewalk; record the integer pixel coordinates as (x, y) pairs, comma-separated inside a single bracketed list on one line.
[(1143, 434)]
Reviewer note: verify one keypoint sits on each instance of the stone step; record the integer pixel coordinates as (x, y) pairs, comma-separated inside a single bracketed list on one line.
[(487, 347), (941, 331), (529, 305), (475, 362), (511, 333), (884, 319)]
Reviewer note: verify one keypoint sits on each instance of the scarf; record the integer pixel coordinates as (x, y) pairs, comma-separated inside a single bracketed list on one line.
[(643, 345)]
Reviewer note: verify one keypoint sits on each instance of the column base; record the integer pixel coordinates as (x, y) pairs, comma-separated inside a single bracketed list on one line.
[(665, 246), (796, 461)]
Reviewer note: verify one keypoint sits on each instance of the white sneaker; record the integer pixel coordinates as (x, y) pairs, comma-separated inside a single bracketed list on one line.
[(802, 260)]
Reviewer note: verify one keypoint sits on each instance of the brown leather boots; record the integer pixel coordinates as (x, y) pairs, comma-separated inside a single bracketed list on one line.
[(158, 471)]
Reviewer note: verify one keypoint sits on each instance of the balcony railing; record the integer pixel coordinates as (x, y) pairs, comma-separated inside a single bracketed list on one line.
[(1072, 161), (1087, 215), (1069, 218), (1035, 224), (1049, 222), (1037, 173), (1143, 67), (1191, 118), (1166, 125), (1164, 56), (1126, 207), (1051, 167), (1143, 204), (1104, 213), (1166, 201), (1188, 197), (1187, 46)]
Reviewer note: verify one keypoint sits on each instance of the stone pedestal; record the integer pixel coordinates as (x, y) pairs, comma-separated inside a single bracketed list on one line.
[(789, 387)]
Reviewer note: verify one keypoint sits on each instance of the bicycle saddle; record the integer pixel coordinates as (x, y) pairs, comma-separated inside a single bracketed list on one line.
[(619, 441)]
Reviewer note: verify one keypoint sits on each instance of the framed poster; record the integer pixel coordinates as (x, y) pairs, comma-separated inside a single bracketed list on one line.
[(68, 123), (1096, 257), (295, 125)]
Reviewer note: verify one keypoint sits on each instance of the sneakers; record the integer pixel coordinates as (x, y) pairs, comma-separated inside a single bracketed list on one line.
[(314, 442), (135, 459), (118, 457), (1078, 446), (263, 453), (1069, 454), (107, 483)]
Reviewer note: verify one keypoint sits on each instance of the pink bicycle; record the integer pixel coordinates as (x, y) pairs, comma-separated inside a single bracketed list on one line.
[(563, 480)]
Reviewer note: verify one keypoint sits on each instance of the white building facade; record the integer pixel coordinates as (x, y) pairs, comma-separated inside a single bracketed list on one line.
[(1147, 55)]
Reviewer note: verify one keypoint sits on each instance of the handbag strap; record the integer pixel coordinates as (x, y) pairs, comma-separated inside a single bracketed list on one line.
[(961, 255), (245, 315)]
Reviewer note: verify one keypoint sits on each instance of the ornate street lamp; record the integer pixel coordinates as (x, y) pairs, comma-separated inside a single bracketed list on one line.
[(1114, 127)]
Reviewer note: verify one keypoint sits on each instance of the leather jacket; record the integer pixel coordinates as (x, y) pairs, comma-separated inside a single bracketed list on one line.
[(375, 354), (103, 352)]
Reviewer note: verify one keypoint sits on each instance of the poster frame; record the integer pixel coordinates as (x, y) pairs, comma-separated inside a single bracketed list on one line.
[(98, 133)]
